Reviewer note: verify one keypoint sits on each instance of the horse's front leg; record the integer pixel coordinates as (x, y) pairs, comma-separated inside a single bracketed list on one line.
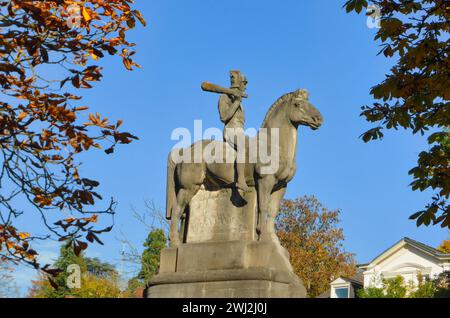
[(265, 186), (274, 209), (174, 235)]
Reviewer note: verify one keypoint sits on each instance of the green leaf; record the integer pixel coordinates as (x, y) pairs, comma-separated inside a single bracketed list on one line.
[(359, 5), (350, 6), (416, 215)]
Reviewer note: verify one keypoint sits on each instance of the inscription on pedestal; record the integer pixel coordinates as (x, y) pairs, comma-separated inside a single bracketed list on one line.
[(222, 216)]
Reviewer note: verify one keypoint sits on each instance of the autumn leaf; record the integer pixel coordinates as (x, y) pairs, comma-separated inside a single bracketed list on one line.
[(86, 14), (21, 116), (24, 236)]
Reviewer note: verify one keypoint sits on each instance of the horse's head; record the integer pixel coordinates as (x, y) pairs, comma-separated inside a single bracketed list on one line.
[(302, 112)]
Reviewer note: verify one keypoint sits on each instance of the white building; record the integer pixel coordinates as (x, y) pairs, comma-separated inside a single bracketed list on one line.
[(406, 258)]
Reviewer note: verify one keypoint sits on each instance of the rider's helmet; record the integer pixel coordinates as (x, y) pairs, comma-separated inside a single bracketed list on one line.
[(237, 79)]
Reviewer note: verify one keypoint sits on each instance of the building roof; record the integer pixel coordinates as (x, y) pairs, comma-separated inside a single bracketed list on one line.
[(430, 249), (357, 279), (408, 241)]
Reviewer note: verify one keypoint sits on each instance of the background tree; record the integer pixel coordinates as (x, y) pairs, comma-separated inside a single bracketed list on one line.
[(98, 287), (98, 279), (99, 268), (149, 263), (442, 285), (426, 288), (309, 232), (445, 247), (415, 94), (135, 289), (8, 288), (92, 286), (437, 287), (154, 243), (56, 286), (391, 288), (48, 51), (142, 265), (370, 292)]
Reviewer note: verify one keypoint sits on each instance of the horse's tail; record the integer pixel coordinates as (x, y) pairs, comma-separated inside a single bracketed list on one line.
[(171, 195)]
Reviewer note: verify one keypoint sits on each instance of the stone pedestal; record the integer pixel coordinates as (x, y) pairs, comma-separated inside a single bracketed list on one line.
[(222, 258), (225, 215), (235, 269)]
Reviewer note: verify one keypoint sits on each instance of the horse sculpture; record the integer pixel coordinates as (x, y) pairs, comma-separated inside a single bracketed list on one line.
[(185, 179)]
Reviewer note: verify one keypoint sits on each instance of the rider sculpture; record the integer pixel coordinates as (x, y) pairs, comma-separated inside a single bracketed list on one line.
[(232, 115)]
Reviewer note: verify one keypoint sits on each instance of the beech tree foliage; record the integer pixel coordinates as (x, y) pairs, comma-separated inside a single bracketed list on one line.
[(415, 94), (50, 52)]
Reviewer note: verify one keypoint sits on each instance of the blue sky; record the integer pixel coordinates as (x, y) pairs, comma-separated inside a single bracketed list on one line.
[(280, 46)]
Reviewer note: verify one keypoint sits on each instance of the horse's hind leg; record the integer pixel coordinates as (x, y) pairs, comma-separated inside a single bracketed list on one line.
[(184, 196)]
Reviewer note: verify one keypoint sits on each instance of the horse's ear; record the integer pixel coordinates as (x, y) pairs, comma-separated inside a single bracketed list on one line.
[(302, 93)]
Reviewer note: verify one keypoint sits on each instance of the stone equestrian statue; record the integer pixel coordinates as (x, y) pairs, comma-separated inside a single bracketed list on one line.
[(185, 179)]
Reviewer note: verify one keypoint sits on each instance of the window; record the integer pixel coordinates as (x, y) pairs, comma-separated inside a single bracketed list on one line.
[(341, 292)]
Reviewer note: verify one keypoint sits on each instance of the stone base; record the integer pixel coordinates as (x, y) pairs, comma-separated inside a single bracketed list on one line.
[(252, 283), (233, 269)]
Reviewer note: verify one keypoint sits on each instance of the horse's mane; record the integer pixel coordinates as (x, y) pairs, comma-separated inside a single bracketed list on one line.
[(279, 101)]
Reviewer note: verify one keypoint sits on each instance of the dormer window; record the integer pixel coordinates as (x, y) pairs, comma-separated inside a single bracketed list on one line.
[(344, 287), (342, 292)]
